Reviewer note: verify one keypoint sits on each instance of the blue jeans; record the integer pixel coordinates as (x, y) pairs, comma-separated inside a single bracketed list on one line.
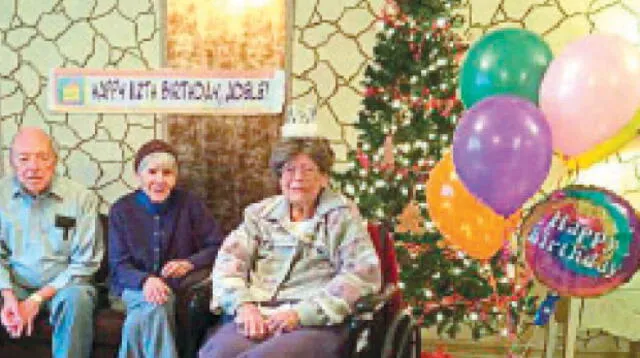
[(72, 319), (71, 316), (148, 330)]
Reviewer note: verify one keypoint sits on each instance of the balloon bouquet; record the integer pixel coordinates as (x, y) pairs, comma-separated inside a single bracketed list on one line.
[(522, 106)]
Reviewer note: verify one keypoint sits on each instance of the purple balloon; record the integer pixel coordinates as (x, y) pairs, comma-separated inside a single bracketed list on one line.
[(502, 151)]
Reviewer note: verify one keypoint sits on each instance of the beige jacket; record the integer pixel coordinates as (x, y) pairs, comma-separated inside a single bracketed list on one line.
[(321, 267)]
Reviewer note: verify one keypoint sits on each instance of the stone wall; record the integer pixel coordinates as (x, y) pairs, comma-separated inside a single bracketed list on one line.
[(37, 35)]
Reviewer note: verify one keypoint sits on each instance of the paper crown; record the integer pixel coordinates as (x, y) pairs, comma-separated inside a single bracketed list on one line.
[(300, 122)]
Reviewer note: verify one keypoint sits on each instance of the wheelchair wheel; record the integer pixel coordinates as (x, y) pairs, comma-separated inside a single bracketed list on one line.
[(402, 339)]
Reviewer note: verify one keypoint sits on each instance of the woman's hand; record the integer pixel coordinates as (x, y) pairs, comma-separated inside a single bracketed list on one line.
[(283, 321), (250, 322), (176, 269), (155, 290)]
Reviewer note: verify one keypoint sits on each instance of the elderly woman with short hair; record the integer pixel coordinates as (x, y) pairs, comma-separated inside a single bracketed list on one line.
[(158, 235), (292, 271)]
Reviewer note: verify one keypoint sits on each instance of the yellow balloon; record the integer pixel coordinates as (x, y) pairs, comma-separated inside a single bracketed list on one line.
[(608, 147), (558, 177)]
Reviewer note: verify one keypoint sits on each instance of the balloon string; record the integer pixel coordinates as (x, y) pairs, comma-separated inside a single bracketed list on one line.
[(573, 174), (546, 309), (506, 257)]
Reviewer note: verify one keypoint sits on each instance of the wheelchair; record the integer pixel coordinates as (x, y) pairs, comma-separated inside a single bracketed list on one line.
[(379, 327)]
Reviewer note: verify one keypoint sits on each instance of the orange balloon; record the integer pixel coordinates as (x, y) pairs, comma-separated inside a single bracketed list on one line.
[(465, 223)]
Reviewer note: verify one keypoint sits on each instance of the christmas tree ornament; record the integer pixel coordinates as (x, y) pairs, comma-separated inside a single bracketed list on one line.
[(370, 92), (363, 159), (440, 352), (411, 220), (388, 161)]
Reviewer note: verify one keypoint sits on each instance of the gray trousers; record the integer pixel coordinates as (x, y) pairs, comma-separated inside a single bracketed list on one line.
[(307, 342), (148, 330)]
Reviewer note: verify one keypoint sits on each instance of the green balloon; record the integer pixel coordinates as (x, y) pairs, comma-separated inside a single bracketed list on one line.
[(506, 61)]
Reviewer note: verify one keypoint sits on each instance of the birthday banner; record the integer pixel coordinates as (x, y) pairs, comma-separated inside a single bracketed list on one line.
[(78, 90)]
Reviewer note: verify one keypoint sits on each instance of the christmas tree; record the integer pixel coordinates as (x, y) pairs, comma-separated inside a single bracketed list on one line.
[(407, 123)]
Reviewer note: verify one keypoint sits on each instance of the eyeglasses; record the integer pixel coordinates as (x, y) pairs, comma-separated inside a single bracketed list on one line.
[(303, 170)]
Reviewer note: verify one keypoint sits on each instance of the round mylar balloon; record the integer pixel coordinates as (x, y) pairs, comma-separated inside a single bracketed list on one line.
[(582, 241), (465, 223)]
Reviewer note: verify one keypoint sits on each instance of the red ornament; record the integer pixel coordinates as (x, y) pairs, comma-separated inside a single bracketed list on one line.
[(417, 55), (388, 160), (363, 159), (451, 300), (417, 102), (433, 103), (430, 307), (440, 352), (416, 50), (449, 105), (370, 91)]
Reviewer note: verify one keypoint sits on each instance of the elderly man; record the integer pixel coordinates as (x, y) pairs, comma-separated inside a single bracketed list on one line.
[(48, 247)]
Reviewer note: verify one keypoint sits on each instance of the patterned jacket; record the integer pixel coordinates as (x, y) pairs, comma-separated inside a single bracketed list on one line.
[(321, 269)]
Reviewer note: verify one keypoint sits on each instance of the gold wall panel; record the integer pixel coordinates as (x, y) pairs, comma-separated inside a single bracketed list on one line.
[(224, 158)]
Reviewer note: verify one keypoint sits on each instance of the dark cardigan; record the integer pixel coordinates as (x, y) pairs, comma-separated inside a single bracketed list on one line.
[(143, 236)]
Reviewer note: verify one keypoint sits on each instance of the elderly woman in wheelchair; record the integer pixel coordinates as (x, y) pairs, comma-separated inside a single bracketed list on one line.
[(289, 275)]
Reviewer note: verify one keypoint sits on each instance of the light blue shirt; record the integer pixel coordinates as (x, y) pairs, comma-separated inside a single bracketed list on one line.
[(34, 252)]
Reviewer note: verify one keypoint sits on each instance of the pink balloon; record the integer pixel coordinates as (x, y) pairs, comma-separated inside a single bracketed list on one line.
[(590, 92)]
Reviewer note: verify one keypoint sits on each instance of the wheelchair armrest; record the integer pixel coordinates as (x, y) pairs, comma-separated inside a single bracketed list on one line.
[(199, 316), (373, 302), (102, 295), (367, 320), (369, 305), (200, 297)]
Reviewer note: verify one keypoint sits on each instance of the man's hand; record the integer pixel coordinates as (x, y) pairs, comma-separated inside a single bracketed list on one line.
[(176, 269), (155, 290), (10, 314), (29, 309), (283, 321), (250, 322)]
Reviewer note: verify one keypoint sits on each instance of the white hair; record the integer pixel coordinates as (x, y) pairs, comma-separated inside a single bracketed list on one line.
[(163, 159)]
